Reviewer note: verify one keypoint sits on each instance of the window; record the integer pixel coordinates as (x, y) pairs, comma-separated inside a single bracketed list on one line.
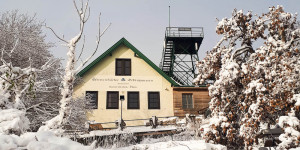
[(123, 67), (112, 100), (92, 97), (133, 100), (187, 100), (153, 100)]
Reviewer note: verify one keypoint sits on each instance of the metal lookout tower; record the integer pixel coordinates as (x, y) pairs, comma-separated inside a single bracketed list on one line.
[(180, 53)]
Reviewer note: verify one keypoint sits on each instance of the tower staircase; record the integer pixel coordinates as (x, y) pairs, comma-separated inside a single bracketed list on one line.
[(180, 53)]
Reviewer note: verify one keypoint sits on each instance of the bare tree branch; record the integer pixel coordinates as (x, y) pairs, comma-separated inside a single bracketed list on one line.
[(81, 48), (56, 34), (85, 9), (13, 49), (5, 80), (85, 20), (76, 7), (36, 105), (97, 45)]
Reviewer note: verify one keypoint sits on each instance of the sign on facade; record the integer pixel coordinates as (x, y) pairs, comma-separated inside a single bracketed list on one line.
[(140, 83)]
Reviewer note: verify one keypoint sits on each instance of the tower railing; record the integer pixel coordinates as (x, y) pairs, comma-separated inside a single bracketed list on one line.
[(184, 32)]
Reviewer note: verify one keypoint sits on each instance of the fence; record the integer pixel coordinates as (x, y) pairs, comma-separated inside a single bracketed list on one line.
[(153, 122), (184, 32)]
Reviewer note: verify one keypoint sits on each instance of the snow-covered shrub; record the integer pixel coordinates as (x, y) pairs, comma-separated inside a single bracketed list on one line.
[(79, 110), (13, 121), (291, 136), (40, 141), (18, 82), (23, 44), (14, 83), (192, 126), (253, 86)]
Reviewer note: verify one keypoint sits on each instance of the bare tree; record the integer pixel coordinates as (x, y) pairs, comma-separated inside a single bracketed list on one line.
[(59, 121)]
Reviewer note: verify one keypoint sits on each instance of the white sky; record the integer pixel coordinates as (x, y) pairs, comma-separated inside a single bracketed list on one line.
[(141, 22)]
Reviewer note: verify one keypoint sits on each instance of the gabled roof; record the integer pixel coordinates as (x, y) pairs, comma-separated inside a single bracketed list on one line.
[(123, 41)]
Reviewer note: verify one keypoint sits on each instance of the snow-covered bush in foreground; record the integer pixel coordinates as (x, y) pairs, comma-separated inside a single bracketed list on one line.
[(23, 44), (13, 121), (48, 141), (14, 83), (291, 126), (40, 141), (253, 86)]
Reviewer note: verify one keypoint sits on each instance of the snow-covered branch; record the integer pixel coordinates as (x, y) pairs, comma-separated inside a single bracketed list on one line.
[(253, 87), (61, 121)]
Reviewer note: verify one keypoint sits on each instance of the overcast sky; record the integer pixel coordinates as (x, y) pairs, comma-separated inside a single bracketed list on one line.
[(141, 22)]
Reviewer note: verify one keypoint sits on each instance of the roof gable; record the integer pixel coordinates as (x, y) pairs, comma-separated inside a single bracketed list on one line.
[(136, 51)]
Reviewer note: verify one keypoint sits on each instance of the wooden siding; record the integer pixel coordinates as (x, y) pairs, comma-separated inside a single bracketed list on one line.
[(200, 100)]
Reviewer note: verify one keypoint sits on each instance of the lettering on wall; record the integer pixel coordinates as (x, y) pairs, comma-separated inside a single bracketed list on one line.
[(139, 83)]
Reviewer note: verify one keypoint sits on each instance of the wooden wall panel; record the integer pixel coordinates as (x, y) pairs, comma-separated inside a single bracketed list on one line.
[(200, 100)]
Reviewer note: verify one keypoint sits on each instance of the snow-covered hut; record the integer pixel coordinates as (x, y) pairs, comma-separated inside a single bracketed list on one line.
[(123, 70)]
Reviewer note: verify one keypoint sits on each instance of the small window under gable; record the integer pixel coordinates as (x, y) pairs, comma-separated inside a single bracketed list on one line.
[(123, 67)]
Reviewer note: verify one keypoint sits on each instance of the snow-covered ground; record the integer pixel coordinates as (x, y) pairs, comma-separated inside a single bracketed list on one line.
[(48, 141), (45, 140), (175, 145)]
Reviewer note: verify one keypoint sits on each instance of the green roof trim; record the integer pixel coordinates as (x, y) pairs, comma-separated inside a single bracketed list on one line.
[(136, 51)]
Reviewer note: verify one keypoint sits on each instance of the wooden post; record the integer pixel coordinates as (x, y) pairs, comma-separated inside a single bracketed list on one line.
[(153, 122)]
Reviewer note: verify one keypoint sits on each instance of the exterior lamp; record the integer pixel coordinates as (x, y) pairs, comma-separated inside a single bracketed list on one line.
[(121, 122)]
